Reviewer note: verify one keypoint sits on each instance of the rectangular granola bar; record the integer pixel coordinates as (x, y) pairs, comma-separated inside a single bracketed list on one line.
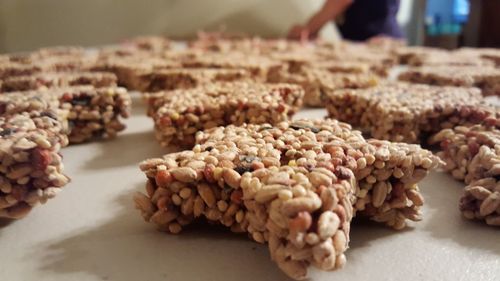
[(379, 62), (11, 69), (65, 63), (297, 62), (387, 173), (39, 105), (454, 59), (472, 154), (260, 67), (490, 54), (273, 204), (92, 112), (44, 53), (53, 80), (254, 45), (186, 78), (352, 59), (179, 114), (342, 66), (485, 78), (415, 55), (48, 64), (408, 112), (31, 167), (318, 82), (20, 102), (129, 68), (291, 186)]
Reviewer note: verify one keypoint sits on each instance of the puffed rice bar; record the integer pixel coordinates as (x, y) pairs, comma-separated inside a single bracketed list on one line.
[(186, 78), (92, 112), (179, 114), (416, 55), (490, 54), (485, 78), (387, 173), (472, 154), (30, 167), (261, 68), (48, 64), (129, 68), (454, 59), (317, 83), (408, 112), (249, 178), (53, 80), (45, 53), (255, 45), (297, 62), (249, 193), (11, 69), (379, 62), (36, 103)]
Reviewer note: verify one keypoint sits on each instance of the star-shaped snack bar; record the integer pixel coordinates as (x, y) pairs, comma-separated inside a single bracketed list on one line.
[(295, 185)]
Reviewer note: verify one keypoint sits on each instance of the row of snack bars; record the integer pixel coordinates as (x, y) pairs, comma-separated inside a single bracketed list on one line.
[(49, 100), (295, 185)]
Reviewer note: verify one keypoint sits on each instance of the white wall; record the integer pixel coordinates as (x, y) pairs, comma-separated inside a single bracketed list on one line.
[(29, 24)]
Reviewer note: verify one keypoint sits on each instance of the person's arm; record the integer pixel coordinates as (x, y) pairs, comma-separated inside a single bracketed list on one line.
[(330, 10)]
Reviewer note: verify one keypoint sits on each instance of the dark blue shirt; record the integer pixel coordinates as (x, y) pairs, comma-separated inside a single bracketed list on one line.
[(368, 18)]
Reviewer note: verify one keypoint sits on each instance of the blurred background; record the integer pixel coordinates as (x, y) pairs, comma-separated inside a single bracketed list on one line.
[(29, 24)]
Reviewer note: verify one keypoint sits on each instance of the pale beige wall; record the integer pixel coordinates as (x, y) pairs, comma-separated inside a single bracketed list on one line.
[(29, 24)]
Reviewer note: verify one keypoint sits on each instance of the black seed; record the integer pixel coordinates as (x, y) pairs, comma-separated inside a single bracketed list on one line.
[(227, 189), (209, 148), (7, 132), (81, 100), (242, 169)]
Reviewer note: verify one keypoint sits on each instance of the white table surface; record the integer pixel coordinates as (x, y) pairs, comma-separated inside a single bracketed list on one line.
[(91, 231)]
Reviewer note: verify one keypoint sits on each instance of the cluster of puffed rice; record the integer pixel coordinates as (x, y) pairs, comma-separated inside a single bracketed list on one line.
[(487, 78), (49, 97), (295, 185), (472, 155), (409, 112), (31, 166), (181, 114)]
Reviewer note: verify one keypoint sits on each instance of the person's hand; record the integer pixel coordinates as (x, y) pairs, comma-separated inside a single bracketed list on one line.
[(298, 32)]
